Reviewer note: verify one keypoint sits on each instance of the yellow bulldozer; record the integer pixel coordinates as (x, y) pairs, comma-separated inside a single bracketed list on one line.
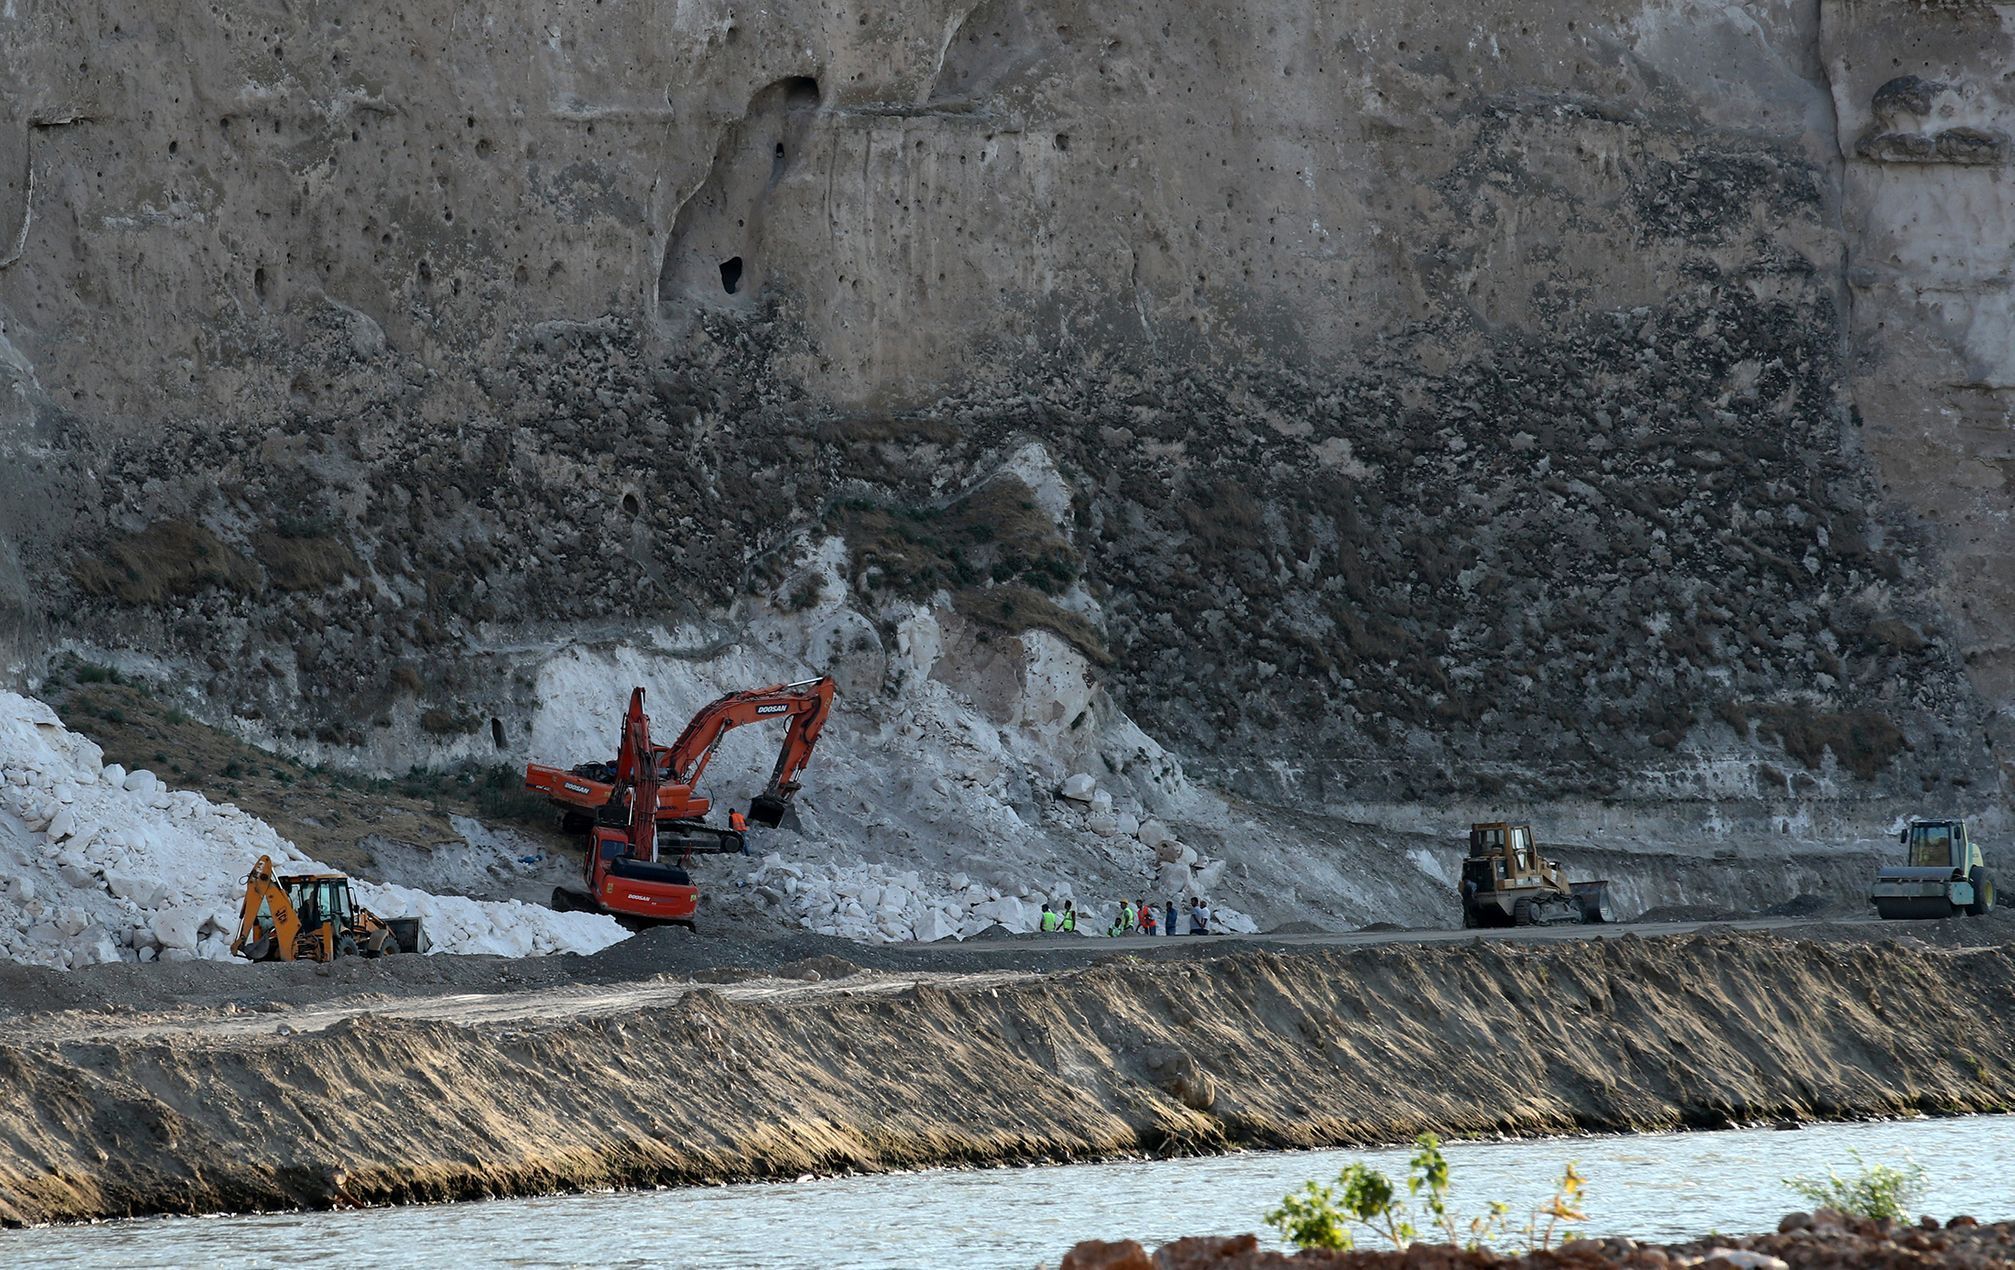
[(313, 917), (1506, 882)]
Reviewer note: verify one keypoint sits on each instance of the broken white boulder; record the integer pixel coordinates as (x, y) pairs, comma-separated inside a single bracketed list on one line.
[(1154, 833), (1079, 788), (93, 947), (919, 641), (1010, 913), (145, 892), (1205, 877), (1235, 922), (176, 928), (1128, 824), (933, 926)]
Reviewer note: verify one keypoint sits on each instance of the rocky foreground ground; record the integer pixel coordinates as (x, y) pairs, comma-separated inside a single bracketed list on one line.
[(235, 1089), (1804, 1241)]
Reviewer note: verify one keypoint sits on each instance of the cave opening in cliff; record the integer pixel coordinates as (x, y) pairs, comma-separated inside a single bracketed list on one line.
[(731, 274), (801, 92), (631, 506), (497, 732)]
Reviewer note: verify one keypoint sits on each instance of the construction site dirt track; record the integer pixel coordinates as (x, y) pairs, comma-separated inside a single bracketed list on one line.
[(607, 1076)]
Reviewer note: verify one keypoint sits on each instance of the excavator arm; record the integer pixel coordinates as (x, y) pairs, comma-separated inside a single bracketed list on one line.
[(804, 707), (637, 771), (584, 791)]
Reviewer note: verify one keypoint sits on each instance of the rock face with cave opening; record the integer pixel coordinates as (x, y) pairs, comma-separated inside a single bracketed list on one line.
[(1497, 401)]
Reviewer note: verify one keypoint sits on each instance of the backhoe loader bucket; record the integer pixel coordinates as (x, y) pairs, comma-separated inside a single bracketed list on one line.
[(768, 810), (407, 931)]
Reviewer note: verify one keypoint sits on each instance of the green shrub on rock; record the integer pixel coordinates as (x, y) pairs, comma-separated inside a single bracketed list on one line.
[(1321, 1216), (1875, 1191)]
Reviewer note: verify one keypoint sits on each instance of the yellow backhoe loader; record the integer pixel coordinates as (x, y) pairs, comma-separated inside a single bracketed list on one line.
[(313, 917)]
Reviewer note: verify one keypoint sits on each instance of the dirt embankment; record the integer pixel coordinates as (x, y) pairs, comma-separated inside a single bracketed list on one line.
[(1321, 1047)]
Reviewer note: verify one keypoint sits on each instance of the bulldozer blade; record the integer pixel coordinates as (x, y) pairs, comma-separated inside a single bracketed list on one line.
[(1594, 900), (768, 810)]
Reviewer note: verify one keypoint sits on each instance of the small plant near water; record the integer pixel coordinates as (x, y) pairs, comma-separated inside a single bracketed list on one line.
[(1323, 1216), (1875, 1191)]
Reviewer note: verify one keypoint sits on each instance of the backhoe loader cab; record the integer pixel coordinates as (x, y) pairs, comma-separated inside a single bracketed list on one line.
[(1944, 872), (321, 898), (1506, 882)]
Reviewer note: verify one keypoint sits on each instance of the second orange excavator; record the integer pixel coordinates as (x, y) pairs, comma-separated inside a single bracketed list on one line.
[(643, 811)]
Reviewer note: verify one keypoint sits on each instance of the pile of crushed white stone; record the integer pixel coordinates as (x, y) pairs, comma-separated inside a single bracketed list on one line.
[(98, 864), (873, 903)]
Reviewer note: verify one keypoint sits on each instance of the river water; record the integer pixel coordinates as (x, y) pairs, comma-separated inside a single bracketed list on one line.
[(1661, 1186)]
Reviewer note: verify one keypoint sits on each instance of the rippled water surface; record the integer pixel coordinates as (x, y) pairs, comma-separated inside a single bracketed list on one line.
[(1662, 1186)]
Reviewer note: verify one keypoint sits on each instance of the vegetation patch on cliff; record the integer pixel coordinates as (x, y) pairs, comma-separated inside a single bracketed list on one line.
[(168, 560), (1863, 741)]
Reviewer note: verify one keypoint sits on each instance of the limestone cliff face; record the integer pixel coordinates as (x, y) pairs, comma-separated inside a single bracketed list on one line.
[(1926, 114), (1478, 399)]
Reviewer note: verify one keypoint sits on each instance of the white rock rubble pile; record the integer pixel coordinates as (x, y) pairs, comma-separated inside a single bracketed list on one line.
[(98, 864), (876, 904)]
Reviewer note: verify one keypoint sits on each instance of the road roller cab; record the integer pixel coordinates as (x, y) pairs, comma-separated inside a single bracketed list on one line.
[(1943, 873)]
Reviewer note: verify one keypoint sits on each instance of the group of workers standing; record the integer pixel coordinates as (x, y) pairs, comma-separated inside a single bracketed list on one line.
[(1132, 919)]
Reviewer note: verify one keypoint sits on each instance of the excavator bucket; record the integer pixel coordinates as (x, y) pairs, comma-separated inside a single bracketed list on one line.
[(768, 810)]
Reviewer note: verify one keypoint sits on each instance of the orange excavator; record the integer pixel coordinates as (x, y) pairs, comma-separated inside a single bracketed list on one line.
[(642, 811)]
